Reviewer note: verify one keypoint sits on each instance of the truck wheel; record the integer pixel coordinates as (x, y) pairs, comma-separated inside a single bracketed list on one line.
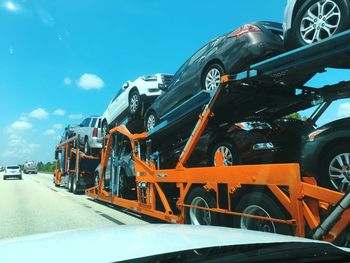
[(69, 187), (229, 153), (335, 171), (134, 102), (87, 149), (261, 204), (317, 20), (200, 197), (75, 185)]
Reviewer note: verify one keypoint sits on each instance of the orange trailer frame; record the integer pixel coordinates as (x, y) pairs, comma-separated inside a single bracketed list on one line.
[(71, 148), (306, 203)]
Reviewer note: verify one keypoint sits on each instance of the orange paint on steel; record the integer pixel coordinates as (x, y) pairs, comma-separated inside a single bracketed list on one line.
[(339, 227), (301, 201)]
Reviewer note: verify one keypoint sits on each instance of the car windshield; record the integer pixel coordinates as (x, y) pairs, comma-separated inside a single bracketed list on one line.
[(237, 119)]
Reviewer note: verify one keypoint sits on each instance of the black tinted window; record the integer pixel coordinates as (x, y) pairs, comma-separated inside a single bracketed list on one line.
[(93, 123), (86, 122), (12, 167)]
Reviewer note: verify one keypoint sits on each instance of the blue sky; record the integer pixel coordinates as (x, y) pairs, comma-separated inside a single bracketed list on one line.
[(63, 60)]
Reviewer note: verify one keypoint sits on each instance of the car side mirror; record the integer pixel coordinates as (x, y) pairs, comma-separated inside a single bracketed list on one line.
[(125, 86), (162, 87), (56, 155)]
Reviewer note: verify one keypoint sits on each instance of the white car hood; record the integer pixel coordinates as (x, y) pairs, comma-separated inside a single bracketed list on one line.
[(128, 242)]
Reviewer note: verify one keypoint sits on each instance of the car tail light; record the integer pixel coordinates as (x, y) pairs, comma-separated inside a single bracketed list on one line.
[(244, 30), (94, 132)]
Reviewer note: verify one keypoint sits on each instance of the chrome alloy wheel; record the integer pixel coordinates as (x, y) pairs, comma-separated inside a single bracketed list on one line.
[(134, 103), (151, 122), (227, 155), (212, 80), (257, 224), (199, 216), (320, 21), (339, 171)]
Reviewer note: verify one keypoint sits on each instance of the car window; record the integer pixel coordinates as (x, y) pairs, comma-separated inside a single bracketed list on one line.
[(118, 94), (86, 122), (198, 54), (93, 122)]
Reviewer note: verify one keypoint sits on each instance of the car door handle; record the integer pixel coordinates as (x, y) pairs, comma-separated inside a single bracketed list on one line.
[(201, 59)]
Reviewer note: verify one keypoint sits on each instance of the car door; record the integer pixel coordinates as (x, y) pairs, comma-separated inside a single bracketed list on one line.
[(83, 131), (116, 106), (182, 86)]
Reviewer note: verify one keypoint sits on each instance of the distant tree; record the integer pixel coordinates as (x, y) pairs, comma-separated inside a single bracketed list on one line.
[(296, 116), (47, 167)]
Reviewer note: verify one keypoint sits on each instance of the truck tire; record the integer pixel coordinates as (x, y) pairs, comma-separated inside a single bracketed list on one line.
[(261, 204), (70, 182), (75, 185), (198, 196)]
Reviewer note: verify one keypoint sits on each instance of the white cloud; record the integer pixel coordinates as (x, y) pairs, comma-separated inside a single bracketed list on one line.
[(50, 132), (20, 148), (75, 116), (59, 112), (344, 110), (39, 114), (19, 126), (90, 81), (67, 81), (57, 126)]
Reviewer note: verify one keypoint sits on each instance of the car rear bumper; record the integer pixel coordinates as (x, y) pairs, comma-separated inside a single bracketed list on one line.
[(95, 142), (7, 175)]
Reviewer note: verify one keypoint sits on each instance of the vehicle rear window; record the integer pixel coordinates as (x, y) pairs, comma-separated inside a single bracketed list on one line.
[(12, 167)]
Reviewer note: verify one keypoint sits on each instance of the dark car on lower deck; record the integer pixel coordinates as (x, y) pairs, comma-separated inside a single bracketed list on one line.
[(326, 155), (250, 142), (232, 53)]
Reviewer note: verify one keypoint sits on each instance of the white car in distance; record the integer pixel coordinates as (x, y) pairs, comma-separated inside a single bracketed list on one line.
[(132, 99)]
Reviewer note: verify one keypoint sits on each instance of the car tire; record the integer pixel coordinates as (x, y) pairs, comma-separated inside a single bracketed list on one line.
[(296, 38), (151, 121), (335, 158), (104, 131), (198, 196), (4, 177), (230, 154), (87, 149), (212, 77), (260, 203), (134, 103)]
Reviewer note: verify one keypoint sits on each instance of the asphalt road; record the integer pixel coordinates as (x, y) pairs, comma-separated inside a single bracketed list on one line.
[(34, 205)]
